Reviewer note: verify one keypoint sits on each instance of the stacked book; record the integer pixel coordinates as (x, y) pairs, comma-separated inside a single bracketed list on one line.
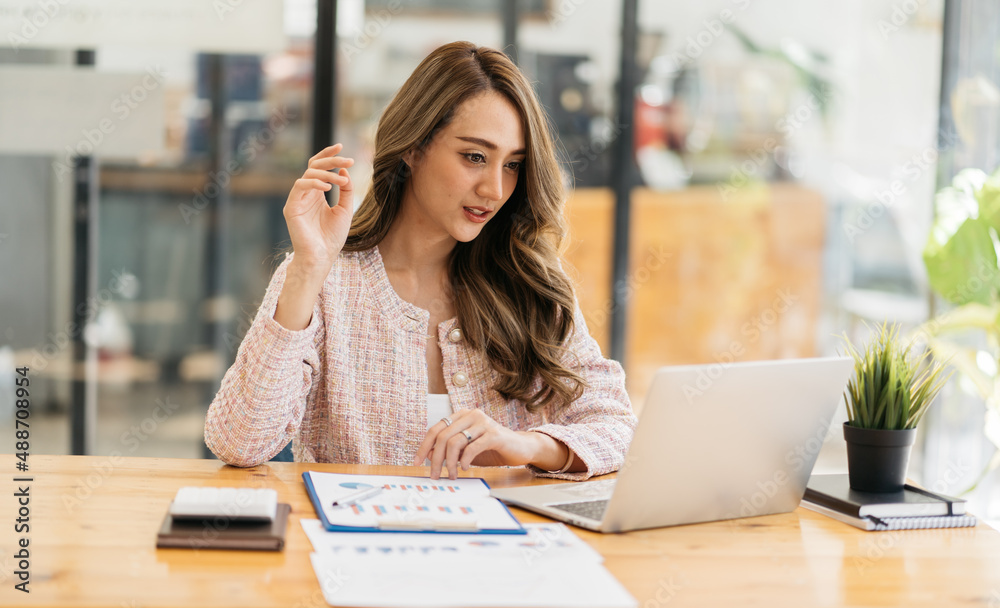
[(909, 509)]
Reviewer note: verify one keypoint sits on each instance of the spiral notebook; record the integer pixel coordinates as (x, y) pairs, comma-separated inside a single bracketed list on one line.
[(872, 523), (912, 508)]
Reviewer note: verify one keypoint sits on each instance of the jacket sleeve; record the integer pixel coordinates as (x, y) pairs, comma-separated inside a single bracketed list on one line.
[(263, 396), (599, 425)]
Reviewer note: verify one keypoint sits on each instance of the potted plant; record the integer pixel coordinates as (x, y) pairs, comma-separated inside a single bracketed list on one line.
[(888, 394)]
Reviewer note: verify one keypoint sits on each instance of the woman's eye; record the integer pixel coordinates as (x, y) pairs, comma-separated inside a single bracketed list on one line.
[(476, 157), (514, 166)]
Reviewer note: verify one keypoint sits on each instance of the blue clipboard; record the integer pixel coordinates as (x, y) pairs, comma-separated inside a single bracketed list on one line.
[(417, 528)]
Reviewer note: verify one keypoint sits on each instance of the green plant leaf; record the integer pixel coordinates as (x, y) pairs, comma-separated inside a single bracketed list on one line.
[(962, 266), (963, 318), (961, 260), (963, 359), (988, 198), (891, 387), (969, 181)]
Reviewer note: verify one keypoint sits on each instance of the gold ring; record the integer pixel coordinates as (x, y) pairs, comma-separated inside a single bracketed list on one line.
[(446, 420), (467, 435)]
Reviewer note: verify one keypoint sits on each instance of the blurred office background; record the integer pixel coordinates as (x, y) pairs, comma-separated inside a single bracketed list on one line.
[(779, 160)]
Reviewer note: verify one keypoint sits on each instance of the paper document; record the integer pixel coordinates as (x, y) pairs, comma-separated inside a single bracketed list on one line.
[(543, 543), (548, 567), (412, 504)]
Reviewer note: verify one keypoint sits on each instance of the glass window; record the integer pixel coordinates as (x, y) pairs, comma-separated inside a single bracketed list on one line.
[(187, 230)]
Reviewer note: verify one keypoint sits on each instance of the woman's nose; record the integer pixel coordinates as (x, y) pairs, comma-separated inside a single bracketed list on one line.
[(491, 185)]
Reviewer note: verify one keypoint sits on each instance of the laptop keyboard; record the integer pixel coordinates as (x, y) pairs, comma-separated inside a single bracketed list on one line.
[(594, 509)]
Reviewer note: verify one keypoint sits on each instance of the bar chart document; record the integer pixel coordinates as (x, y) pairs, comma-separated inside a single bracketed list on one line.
[(407, 504)]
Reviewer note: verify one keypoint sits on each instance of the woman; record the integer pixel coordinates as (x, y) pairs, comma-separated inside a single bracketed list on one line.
[(436, 323)]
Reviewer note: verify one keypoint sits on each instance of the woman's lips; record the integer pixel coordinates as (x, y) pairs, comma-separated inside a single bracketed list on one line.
[(476, 214)]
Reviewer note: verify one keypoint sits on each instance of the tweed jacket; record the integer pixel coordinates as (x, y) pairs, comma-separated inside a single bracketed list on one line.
[(352, 386)]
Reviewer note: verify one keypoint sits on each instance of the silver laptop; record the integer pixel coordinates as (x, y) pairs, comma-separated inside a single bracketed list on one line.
[(713, 442)]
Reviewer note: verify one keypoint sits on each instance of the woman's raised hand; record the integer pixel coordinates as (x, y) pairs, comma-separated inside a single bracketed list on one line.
[(319, 231)]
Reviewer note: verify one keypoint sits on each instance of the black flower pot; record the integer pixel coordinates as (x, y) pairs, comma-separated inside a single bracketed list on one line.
[(877, 459)]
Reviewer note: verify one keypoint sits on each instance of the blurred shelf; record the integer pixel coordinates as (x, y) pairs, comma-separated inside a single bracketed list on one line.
[(189, 181), (202, 366), (119, 371), (877, 306)]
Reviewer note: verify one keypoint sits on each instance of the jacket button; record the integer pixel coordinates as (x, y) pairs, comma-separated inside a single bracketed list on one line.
[(460, 379), (455, 335)]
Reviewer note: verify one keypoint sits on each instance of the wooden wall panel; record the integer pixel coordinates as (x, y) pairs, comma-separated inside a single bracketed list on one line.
[(710, 279)]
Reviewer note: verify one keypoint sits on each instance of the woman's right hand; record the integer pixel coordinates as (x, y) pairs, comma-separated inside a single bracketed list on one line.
[(319, 231)]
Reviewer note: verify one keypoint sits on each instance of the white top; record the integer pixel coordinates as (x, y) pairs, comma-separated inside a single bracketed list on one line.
[(438, 406)]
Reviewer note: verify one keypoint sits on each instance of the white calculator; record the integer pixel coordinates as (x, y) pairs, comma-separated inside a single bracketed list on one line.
[(236, 504)]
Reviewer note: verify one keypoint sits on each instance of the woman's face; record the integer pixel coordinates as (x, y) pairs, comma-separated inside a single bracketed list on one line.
[(468, 171)]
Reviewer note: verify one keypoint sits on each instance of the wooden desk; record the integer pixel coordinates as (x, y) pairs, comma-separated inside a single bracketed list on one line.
[(94, 522)]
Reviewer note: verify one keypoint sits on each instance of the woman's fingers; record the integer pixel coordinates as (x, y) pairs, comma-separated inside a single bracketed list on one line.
[(327, 176), (439, 453), (316, 179), (331, 162), (446, 442), (480, 443), (346, 190), (333, 170), (428, 443), (317, 231), (455, 446), (327, 152), (306, 184), (451, 448)]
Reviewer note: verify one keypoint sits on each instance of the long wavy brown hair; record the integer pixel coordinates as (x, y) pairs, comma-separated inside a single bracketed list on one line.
[(513, 300)]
